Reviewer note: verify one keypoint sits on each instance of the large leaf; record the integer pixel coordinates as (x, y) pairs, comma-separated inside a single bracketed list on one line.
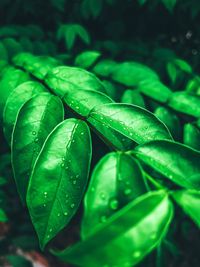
[(189, 200), (127, 237), (185, 103), (59, 178), (131, 121), (63, 79), (83, 101), (36, 119), (131, 73), (175, 161), (15, 101), (11, 78), (116, 180)]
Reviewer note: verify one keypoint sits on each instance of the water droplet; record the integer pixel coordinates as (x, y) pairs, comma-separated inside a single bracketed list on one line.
[(67, 195), (92, 189), (103, 219), (44, 205), (50, 230), (77, 176), (102, 195), (66, 213), (74, 182), (114, 204), (170, 176), (77, 107), (58, 214), (66, 168), (48, 236), (72, 205), (73, 141), (153, 236), (131, 134), (127, 191), (136, 254), (82, 133), (45, 193), (62, 165), (36, 140), (34, 132)]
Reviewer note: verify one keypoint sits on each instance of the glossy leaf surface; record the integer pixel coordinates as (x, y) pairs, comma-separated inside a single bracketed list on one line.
[(11, 78), (105, 67), (116, 180), (15, 101), (63, 79), (191, 135), (131, 121), (189, 200), (133, 97), (127, 237), (175, 161), (83, 101), (36, 119), (59, 178)]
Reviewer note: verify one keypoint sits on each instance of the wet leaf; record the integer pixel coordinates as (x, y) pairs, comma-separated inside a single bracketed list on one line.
[(36, 119), (127, 236), (175, 161), (116, 180), (15, 101), (59, 178)]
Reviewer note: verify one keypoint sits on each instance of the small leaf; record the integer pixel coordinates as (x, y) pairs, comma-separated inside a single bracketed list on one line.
[(116, 180), (87, 58), (15, 101), (3, 216), (12, 46), (133, 97), (185, 103), (191, 135), (105, 67), (95, 7), (64, 79), (131, 73), (172, 71), (36, 119), (131, 233), (155, 89), (189, 200), (18, 261), (83, 34), (170, 120), (183, 65), (131, 121), (175, 161), (59, 178), (169, 4)]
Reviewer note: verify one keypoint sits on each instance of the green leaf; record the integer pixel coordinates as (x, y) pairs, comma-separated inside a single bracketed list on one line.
[(170, 120), (104, 67), (3, 216), (18, 261), (133, 97), (116, 180), (83, 101), (12, 46), (189, 200), (15, 101), (172, 71), (127, 236), (155, 89), (183, 65), (3, 52), (131, 121), (95, 7), (185, 103), (64, 79), (36, 119), (175, 161), (11, 78), (131, 73), (38, 66), (87, 58), (59, 178), (191, 135), (169, 4)]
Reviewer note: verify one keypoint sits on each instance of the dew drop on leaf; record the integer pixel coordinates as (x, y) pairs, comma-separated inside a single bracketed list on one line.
[(114, 204)]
